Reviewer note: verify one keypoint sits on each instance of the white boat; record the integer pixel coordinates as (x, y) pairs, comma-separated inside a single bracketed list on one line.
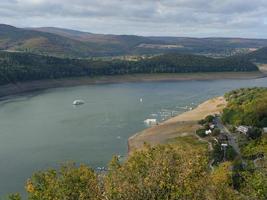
[(78, 102)]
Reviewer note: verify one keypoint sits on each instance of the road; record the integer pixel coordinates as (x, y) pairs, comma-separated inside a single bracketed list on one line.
[(231, 138)]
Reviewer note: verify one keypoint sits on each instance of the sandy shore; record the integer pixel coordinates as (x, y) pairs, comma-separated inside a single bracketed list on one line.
[(181, 125), (13, 89)]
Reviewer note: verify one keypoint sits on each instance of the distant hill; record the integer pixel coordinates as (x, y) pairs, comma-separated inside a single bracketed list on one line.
[(182, 41), (67, 43), (150, 45), (77, 44), (17, 67), (214, 42), (73, 34), (106, 45), (23, 40)]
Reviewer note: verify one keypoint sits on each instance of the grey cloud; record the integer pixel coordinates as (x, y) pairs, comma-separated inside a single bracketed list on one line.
[(143, 17)]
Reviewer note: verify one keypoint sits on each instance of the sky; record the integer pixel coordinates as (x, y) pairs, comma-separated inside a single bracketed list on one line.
[(192, 18)]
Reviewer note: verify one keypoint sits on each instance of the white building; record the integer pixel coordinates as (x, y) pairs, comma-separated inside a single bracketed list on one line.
[(243, 129), (224, 145), (150, 122), (212, 126), (265, 130), (207, 132)]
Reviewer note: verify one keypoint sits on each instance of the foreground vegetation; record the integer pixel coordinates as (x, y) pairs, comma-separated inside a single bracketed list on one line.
[(178, 170), (248, 106), (18, 67), (173, 171)]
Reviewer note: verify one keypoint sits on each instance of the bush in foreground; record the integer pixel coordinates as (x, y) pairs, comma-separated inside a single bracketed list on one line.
[(201, 132), (68, 183), (176, 171)]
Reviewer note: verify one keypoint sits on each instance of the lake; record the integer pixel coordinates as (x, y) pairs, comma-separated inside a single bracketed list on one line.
[(43, 129)]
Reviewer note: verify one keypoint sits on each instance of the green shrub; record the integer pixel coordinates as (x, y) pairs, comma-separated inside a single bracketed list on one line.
[(201, 132), (254, 133), (209, 118), (202, 122), (216, 132)]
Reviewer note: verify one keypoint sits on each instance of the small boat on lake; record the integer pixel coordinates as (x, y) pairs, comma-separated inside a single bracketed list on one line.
[(78, 102)]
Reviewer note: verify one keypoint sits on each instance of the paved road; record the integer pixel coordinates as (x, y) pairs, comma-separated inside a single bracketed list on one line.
[(231, 138)]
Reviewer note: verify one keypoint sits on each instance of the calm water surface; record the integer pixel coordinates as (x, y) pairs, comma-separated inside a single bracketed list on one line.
[(44, 129)]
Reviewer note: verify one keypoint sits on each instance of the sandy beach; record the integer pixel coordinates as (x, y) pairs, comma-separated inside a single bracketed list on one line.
[(18, 88), (181, 125)]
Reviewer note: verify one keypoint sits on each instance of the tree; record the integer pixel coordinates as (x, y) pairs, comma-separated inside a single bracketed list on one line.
[(15, 196), (246, 106), (221, 180), (161, 172), (254, 133), (69, 183), (216, 132), (201, 132), (255, 184), (18, 67), (209, 118), (230, 153)]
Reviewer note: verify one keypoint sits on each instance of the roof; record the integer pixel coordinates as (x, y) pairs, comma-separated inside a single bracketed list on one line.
[(150, 121), (243, 129), (208, 132)]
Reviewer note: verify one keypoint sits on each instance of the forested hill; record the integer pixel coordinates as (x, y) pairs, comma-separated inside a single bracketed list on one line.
[(17, 67)]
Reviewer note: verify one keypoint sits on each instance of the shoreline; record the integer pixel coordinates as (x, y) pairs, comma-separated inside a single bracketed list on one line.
[(31, 86), (181, 125)]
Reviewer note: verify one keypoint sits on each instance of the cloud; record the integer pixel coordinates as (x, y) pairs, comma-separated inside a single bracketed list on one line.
[(240, 18)]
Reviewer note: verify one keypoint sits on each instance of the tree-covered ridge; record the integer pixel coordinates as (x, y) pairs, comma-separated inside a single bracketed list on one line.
[(17, 67), (247, 106)]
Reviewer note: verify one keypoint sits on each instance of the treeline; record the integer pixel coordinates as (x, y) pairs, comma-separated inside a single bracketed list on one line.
[(18, 67)]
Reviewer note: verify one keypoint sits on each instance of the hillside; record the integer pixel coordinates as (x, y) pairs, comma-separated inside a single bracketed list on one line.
[(246, 107), (214, 42), (16, 67), (215, 47), (22, 40), (77, 44), (66, 43), (259, 55)]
